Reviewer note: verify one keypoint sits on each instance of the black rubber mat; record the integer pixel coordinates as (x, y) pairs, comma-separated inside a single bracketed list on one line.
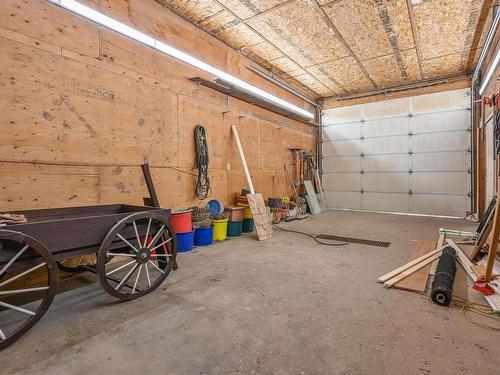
[(360, 241)]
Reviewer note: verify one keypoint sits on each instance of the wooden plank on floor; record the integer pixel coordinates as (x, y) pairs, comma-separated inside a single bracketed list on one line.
[(418, 280), (439, 244), (406, 266), (411, 270)]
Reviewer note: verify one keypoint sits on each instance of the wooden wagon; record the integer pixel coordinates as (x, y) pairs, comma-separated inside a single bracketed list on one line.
[(134, 247)]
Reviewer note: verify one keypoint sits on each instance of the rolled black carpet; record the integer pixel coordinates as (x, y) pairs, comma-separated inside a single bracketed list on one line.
[(442, 286)]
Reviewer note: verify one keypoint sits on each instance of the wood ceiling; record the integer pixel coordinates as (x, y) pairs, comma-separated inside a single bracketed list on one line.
[(342, 47)]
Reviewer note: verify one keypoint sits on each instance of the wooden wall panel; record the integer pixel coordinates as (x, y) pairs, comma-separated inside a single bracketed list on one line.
[(175, 186), (82, 112), (272, 157), (251, 142), (153, 19), (142, 124), (42, 115), (195, 112), (42, 20), (126, 53), (28, 186)]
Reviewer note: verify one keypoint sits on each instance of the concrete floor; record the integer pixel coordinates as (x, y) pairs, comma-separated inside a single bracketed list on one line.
[(283, 306)]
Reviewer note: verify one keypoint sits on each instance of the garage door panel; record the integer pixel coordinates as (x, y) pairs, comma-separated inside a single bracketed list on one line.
[(439, 204), (439, 122), (344, 114), (414, 155), (386, 145), (430, 162), (386, 127), (440, 182), (442, 101), (388, 108), (342, 131), (386, 163), (342, 148), (386, 182), (343, 181), (386, 202), (340, 199), (439, 142), (342, 164)]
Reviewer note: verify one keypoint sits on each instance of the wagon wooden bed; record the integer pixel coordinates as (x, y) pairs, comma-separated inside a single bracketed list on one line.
[(135, 249)]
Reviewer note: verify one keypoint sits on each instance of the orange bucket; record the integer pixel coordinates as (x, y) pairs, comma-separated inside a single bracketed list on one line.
[(182, 221)]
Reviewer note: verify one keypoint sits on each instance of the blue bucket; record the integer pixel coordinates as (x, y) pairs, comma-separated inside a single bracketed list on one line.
[(203, 236), (215, 207), (184, 241)]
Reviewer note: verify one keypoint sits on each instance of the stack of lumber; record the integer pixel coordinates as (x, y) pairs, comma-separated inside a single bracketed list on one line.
[(401, 277), (419, 270)]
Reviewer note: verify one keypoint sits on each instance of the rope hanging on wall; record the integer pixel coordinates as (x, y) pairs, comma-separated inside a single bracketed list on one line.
[(203, 188)]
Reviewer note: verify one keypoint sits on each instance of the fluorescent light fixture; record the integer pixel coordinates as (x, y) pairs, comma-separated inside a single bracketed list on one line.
[(490, 73), (110, 23)]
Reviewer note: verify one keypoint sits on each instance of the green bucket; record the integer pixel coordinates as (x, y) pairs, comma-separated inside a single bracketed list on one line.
[(234, 228), (248, 226)]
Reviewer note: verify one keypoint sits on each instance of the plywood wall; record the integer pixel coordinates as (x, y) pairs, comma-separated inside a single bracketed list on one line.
[(82, 107)]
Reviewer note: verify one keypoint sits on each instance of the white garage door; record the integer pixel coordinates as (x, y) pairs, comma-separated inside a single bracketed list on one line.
[(408, 155)]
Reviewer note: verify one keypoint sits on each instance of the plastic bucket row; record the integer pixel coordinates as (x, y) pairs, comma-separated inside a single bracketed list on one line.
[(220, 229)]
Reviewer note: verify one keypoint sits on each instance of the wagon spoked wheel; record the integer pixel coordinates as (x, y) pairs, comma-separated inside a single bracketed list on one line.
[(137, 255), (28, 284)]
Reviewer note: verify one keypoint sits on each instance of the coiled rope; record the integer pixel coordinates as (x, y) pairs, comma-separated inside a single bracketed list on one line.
[(203, 188)]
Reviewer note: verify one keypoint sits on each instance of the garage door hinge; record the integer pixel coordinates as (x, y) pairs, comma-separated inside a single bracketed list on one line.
[(410, 133), (469, 149), (362, 138), (469, 194), (410, 171), (469, 170), (410, 114), (410, 152), (361, 171), (410, 192), (361, 191), (362, 155)]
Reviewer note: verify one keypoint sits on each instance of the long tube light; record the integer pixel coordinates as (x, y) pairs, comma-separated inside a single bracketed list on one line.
[(486, 46), (490, 73), (110, 23)]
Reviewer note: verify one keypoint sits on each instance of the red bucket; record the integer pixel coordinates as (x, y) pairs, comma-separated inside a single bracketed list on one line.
[(182, 221)]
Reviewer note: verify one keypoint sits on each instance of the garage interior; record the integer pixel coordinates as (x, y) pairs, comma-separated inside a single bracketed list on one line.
[(249, 186)]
